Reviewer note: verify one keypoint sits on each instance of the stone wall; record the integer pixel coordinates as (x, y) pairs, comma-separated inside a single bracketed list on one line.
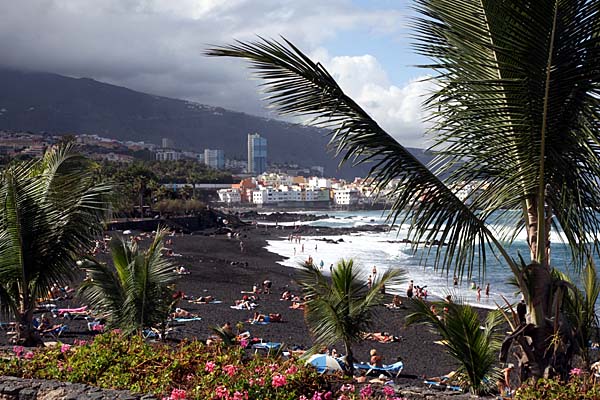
[(12, 388)]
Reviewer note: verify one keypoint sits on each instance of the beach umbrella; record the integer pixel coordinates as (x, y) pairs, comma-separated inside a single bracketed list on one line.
[(324, 363)]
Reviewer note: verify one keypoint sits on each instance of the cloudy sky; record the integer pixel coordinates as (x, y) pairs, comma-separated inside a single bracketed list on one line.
[(156, 46)]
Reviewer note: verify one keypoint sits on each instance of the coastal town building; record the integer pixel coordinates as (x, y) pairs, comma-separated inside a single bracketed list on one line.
[(214, 158), (346, 196), (257, 154), (168, 155)]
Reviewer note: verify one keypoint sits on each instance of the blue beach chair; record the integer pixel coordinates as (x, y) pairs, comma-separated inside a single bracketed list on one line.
[(391, 370)]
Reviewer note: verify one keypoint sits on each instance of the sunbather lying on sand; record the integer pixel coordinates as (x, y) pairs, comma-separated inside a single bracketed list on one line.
[(202, 300), (181, 313), (381, 337)]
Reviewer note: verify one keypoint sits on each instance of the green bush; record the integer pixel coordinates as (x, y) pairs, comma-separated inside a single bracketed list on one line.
[(199, 371), (580, 386)]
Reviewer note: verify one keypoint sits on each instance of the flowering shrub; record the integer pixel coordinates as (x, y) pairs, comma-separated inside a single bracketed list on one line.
[(188, 371), (580, 386), (191, 370)]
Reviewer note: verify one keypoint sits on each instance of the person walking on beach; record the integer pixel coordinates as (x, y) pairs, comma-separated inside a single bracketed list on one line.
[(455, 281), (369, 282), (487, 290), (241, 246), (302, 249), (322, 264), (374, 271), (478, 293), (409, 291)]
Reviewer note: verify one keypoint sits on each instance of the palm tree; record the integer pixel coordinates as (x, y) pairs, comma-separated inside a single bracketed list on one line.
[(516, 110), (137, 292), (472, 344), (52, 208), (341, 308)]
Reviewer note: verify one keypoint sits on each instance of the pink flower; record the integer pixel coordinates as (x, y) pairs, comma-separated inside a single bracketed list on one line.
[(388, 391), (230, 369), (210, 366), (273, 367), (278, 380), (366, 392), (64, 348), (29, 355), (260, 381), (348, 387), (303, 397), (221, 392), (18, 350), (576, 371), (291, 370), (258, 370), (244, 343), (240, 396), (178, 394), (328, 396), (343, 397)]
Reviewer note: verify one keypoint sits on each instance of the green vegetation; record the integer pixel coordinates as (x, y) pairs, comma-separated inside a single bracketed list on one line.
[(200, 371), (51, 209), (137, 292), (191, 370), (341, 308), (579, 386), (514, 113), (472, 344), (140, 184)]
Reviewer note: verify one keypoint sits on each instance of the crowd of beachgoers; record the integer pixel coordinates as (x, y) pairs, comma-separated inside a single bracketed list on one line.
[(232, 282)]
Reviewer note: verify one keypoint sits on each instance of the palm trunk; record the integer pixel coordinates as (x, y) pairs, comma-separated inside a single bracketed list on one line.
[(538, 289), (27, 335), (349, 368)]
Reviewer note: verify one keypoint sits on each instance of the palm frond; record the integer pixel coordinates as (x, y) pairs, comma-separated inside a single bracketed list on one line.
[(341, 308), (134, 293), (473, 345), (518, 105), (295, 85)]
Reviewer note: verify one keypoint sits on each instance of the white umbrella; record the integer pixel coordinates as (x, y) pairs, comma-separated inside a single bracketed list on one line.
[(324, 363)]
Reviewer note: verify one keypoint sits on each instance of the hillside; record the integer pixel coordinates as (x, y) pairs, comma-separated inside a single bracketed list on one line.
[(43, 102)]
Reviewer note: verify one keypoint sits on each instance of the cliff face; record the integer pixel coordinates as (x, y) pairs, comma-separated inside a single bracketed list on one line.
[(42, 102)]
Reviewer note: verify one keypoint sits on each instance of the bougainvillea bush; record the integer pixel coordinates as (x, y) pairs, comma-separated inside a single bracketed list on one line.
[(190, 370), (580, 386)]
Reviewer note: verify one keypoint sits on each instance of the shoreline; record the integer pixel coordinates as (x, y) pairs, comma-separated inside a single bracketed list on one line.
[(218, 268)]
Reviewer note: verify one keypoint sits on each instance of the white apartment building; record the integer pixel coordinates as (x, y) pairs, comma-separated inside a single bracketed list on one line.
[(168, 155), (316, 182), (346, 197), (230, 196)]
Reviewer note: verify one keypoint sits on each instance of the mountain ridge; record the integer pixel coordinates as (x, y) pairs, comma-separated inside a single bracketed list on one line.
[(47, 102)]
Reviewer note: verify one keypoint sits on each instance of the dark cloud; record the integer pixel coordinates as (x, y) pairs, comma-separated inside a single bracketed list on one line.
[(156, 46)]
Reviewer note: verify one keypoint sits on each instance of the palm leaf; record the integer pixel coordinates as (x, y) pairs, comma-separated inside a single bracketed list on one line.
[(295, 85), (518, 106)]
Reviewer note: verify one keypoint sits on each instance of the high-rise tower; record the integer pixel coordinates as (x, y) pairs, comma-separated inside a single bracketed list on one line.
[(257, 154)]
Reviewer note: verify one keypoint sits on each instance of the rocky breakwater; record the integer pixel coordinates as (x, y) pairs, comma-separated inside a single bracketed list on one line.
[(12, 388)]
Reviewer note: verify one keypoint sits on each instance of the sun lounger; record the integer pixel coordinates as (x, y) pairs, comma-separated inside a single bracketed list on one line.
[(56, 332), (268, 346), (392, 370)]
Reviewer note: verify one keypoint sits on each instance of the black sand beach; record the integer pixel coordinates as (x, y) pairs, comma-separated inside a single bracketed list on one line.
[(220, 269)]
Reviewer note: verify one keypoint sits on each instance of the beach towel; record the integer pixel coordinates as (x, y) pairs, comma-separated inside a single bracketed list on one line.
[(189, 319), (442, 385)]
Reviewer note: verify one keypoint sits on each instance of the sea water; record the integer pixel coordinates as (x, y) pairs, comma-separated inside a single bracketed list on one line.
[(384, 250)]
